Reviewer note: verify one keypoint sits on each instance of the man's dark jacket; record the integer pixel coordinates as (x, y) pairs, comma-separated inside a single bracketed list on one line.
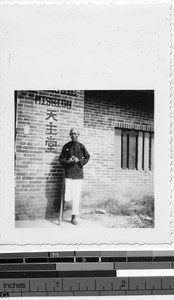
[(74, 170)]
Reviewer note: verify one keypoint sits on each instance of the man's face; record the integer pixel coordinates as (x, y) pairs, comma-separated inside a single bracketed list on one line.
[(74, 135)]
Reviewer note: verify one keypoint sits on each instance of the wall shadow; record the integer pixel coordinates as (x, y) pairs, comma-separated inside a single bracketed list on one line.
[(54, 184)]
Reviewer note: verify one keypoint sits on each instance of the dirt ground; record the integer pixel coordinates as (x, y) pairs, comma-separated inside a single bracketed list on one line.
[(95, 218), (104, 219)]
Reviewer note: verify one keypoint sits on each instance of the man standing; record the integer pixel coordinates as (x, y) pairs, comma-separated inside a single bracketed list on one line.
[(72, 158)]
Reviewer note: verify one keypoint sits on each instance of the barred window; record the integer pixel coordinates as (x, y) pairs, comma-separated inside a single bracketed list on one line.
[(137, 149)]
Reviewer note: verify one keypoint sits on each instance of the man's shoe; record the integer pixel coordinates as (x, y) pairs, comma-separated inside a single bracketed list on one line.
[(73, 220)]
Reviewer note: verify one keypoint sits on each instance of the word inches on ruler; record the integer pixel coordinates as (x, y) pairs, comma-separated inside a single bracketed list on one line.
[(51, 130)]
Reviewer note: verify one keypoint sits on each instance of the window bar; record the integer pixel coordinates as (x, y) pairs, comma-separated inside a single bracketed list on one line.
[(127, 150), (16, 108), (143, 152), (136, 152), (122, 149), (150, 150)]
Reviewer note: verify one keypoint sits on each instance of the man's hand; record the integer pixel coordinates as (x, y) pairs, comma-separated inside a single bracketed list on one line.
[(73, 159)]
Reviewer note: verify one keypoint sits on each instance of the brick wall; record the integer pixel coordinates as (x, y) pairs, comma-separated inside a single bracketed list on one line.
[(103, 111), (38, 172)]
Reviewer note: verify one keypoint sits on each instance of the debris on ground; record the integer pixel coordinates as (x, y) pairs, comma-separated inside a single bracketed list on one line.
[(100, 211), (95, 211)]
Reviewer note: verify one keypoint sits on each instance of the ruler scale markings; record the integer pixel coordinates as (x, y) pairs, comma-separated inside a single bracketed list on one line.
[(53, 284), (126, 291), (166, 281), (153, 283), (144, 285), (87, 283), (70, 284), (104, 284), (118, 283), (37, 286)]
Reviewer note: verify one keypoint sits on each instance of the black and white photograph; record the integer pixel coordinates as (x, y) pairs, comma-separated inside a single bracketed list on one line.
[(86, 125), (84, 158)]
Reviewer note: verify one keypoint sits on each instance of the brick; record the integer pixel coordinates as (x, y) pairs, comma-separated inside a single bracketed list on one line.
[(39, 172)]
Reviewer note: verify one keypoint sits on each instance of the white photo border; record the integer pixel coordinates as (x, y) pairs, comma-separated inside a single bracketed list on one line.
[(154, 74)]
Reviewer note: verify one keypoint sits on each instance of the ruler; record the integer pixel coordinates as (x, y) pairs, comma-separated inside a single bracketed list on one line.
[(87, 273)]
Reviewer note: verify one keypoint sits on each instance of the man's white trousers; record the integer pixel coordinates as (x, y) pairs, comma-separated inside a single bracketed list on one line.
[(73, 189)]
